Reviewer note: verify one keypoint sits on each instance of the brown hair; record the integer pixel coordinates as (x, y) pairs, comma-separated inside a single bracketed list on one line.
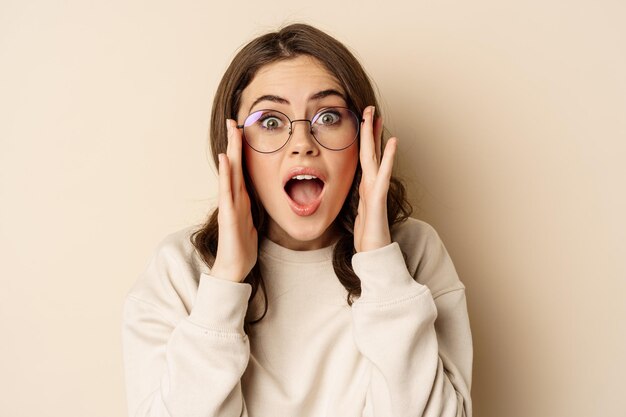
[(292, 41)]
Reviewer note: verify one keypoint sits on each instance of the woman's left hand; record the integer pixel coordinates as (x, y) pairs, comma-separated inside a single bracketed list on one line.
[(371, 229)]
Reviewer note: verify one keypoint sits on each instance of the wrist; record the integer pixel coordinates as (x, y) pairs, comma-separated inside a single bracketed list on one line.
[(373, 245), (384, 274), (220, 305), (226, 274), (374, 242)]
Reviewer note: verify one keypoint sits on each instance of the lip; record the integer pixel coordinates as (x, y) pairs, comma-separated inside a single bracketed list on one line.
[(308, 209), (303, 171)]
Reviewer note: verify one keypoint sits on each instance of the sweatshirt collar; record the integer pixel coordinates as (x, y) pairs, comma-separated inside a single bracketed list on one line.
[(274, 250)]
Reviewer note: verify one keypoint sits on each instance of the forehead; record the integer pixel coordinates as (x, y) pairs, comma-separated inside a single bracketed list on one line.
[(295, 79)]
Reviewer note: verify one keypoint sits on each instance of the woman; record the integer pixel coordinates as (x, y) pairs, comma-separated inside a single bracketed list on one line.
[(309, 292)]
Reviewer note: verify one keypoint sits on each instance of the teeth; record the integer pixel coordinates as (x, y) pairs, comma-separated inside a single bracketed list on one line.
[(303, 177)]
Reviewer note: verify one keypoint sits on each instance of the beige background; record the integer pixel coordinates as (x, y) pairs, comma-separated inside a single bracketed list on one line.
[(511, 117)]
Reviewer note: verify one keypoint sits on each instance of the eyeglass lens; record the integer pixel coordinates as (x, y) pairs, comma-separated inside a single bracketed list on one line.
[(334, 128)]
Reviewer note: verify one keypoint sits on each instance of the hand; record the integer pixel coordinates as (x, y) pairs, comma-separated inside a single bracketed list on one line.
[(237, 241), (371, 229)]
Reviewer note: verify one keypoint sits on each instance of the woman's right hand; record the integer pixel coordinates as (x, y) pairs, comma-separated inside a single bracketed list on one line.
[(237, 241)]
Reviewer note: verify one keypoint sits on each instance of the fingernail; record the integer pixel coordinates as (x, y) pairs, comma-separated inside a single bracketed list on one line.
[(373, 111), (228, 125)]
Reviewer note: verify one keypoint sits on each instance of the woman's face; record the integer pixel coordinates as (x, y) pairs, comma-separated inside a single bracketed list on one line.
[(301, 211)]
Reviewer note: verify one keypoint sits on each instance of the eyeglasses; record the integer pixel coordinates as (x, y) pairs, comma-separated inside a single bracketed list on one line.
[(334, 128)]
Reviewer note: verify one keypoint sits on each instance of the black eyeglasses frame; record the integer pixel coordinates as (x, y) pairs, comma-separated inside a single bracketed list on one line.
[(291, 122)]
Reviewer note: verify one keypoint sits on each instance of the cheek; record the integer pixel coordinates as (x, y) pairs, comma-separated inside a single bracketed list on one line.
[(253, 163), (248, 160), (344, 170), (260, 168), (346, 166)]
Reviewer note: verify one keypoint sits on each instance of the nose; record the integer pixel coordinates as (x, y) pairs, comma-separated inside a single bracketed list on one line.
[(302, 141)]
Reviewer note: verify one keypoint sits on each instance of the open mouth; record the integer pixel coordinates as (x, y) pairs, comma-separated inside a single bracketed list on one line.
[(305, 193)]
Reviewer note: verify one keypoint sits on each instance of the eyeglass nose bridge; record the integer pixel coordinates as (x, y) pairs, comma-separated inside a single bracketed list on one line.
[(291, 122)]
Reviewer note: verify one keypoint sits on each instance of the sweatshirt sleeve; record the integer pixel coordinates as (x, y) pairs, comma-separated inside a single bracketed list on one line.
[(420, 346), (179, 364)]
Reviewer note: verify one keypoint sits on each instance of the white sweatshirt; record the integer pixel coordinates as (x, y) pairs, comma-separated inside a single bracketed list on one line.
[(404, 348)]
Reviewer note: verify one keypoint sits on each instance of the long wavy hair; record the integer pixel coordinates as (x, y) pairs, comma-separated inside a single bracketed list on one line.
[(290, 42)]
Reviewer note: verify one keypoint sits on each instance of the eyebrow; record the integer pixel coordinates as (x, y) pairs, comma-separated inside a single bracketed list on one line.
[(317, 96)]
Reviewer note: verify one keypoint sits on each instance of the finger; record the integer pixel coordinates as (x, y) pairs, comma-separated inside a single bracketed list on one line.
[(369, 164), (386, 165), (233, 151), (378, 136), (225, 197)]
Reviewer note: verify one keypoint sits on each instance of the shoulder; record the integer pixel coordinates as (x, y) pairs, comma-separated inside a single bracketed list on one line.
[(426, 257), (169, 281), (413, 229), (177, 246), (416, 237)]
